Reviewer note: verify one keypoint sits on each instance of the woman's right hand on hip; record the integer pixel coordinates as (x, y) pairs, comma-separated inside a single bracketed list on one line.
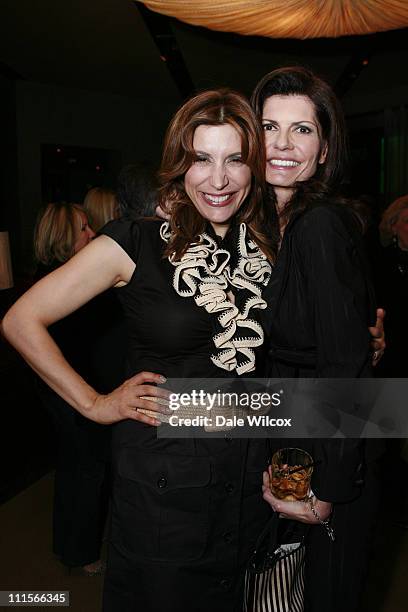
[(125, 401)]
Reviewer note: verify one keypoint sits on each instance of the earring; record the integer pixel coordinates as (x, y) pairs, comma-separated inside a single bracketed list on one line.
[(395, 240)]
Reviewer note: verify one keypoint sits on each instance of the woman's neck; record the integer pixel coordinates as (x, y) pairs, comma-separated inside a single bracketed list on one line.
[(220, 229), (283, 197)]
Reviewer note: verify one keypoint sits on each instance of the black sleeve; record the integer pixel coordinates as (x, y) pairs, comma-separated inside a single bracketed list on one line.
[(339, 476), (126, 232), (337, 294)]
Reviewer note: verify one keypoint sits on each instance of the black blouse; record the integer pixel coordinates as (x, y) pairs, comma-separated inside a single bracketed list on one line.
[(321, 304), (321, 298)]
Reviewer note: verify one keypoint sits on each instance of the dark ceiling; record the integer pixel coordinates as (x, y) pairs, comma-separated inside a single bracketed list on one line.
[(110, 45)]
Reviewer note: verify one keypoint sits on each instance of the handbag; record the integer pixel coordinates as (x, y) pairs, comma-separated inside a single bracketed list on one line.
[(275, 576)]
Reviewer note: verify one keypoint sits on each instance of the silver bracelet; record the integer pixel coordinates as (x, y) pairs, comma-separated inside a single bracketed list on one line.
[(326, 524)]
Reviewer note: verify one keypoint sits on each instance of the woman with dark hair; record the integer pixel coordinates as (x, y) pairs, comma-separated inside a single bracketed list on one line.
[(321, 303), (306, 154), (186, 512), (137, 190)]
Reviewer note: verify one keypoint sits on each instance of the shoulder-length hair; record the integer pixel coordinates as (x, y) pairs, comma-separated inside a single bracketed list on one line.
[(101, 206), (214, 107), (54, 236)]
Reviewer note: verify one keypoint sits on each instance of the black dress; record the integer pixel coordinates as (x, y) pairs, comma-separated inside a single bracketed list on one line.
[(186, 512), (322, 302)]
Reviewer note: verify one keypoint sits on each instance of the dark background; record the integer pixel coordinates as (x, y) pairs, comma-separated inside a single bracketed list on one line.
[(86, 87)]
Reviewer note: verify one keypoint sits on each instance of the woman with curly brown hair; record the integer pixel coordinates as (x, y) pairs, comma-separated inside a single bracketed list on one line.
[(186, 512)]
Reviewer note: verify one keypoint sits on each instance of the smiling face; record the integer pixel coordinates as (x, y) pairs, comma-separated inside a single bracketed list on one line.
[(218, 181), (294, 146)]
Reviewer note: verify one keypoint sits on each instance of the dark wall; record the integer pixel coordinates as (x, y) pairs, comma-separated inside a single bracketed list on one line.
[(9, 211), (53, 115)]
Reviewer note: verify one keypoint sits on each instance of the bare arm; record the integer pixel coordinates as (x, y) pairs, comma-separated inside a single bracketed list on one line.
[(102, 264)]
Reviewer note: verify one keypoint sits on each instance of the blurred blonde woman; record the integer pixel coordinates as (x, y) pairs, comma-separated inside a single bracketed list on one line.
[(101, 206), (81, 487), (62, 230)]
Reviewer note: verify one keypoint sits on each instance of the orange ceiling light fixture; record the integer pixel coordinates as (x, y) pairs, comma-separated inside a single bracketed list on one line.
[(288, 18)]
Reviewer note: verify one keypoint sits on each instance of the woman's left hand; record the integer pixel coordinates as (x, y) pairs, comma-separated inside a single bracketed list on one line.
[(295, 510)]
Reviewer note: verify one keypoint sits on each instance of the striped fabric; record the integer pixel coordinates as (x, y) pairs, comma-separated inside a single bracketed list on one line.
[(279, 588)]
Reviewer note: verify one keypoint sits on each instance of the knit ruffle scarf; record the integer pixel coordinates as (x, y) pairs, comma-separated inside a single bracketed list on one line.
[(205, 272)]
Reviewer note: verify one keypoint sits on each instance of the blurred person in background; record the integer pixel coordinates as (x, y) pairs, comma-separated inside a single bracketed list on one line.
[(137, 190), (81, 490), (62, 230), (392, 286), (101, 206)]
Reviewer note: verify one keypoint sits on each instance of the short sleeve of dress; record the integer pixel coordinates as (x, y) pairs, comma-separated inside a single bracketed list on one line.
[(126, 232)]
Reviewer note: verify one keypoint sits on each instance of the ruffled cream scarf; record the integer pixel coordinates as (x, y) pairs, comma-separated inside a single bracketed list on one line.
[(204, 272)]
